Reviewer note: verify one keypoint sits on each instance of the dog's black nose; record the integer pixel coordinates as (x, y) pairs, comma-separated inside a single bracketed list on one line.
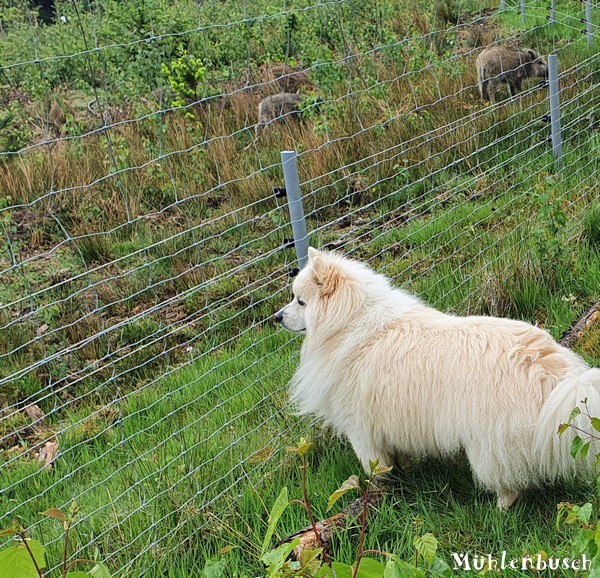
[(278, 316)]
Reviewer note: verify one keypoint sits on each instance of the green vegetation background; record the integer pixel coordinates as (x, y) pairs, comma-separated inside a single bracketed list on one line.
[(159, 238)]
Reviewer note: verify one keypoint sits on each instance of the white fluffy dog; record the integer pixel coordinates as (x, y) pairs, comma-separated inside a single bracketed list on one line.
[(398, 378)]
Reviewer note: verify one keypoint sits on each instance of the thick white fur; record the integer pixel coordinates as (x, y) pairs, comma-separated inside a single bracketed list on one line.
[(398, 378)]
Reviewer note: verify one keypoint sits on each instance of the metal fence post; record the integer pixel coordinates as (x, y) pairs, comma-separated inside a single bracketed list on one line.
[(555, 108), (292, 187), (588, 22), (523, 16)]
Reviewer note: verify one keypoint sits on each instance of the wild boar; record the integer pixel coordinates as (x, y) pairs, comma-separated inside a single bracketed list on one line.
[(501, 64), (278, 107), (284, 78)]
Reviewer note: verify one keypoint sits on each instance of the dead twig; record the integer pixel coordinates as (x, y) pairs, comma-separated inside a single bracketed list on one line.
[(590, 317)]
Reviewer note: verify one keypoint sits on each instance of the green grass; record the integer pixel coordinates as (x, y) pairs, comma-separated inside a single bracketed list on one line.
[(174, 444), (156, 463), (191, 462)]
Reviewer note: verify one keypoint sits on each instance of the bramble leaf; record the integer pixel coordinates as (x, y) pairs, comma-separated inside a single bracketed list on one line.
[(576, 446), (380, 471), (281, 503), (426, 545), (352, 483), (302, 449), (54, 513), (15, 562), (38, 550), (396, 568), (307, 555), (342, 570), (585, 448), (214, 569), (100, 571), (370, 568), (275, 559), (583, 513)]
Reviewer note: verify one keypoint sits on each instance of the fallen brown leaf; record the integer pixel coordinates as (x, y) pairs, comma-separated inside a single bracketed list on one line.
[(48, 454), (35, 414)]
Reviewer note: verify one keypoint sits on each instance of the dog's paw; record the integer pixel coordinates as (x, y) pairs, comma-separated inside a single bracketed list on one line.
[(506, 499)]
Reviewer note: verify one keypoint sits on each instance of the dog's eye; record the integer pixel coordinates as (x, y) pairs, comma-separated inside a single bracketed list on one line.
[(300, 302)]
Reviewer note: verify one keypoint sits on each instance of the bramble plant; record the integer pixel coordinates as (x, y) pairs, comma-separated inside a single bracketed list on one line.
[(315, 562), (587, 539), (26, 558), (552, 220)]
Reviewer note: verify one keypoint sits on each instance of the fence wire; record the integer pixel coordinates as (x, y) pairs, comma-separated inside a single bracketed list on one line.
[(144, 248)]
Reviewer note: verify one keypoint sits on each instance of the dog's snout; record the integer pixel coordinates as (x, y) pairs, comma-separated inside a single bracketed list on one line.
[(278, 316)]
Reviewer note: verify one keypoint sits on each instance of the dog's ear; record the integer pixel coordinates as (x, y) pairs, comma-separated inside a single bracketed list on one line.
[(326, 274), (312, 253)]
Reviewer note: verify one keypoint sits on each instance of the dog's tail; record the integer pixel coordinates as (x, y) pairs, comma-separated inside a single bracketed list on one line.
[(581, 388)]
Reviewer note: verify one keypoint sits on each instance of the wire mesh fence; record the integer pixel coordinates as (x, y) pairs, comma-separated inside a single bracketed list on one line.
[(144, 249)]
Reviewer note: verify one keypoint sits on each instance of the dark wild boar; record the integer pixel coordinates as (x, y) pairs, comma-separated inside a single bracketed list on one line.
[(502, 65)]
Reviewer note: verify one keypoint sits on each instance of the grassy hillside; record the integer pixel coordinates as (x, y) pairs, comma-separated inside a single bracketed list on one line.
[(143, 253)]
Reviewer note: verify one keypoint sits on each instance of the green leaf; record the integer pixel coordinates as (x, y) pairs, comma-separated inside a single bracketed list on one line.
[(302, 449), (596, 423), (583, 453), (597, 537), (563, 508), (214, 568), (15, 562), (352, 483), (370, 568), (576, 446), (281, 503), (380, 471), (583, 542), (73, 510), (38, 551), (275, 559), (396, 568), (342, 570), (54, 513), (562, 428), (583, 513), (440, 568), (426, 545), (307, 555), (576, 411), (100, 571), (78, 575), (325, 571), (8, 532), (595, 573)]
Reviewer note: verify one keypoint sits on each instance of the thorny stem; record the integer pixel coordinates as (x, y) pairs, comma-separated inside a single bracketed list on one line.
[(24, 540), (307, 503), (363, 528), (587, 433), (65, 549), (377, 552), (80, 561)]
